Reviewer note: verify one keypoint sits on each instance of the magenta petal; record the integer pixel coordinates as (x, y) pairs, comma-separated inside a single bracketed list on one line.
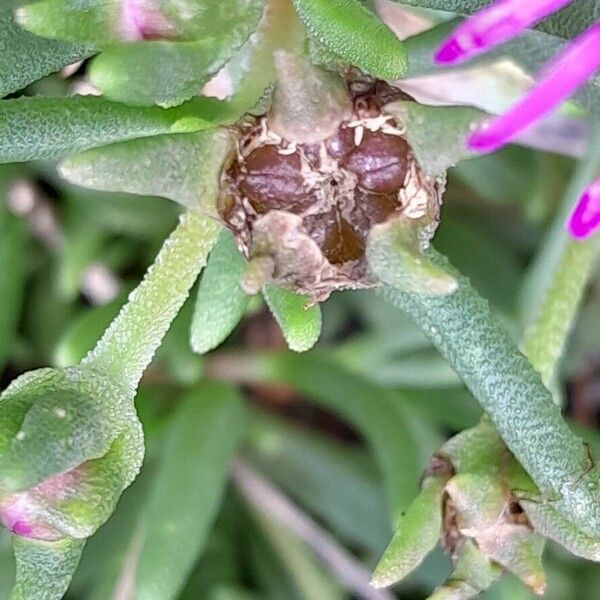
[(559, 80), (450, 52), (585, 219), (493, 26), (22, 528)]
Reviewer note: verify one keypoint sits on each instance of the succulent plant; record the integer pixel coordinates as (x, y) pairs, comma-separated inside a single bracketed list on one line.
[(309, 170)]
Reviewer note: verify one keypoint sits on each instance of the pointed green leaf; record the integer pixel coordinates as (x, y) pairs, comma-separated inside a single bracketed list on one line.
[(163, 73), (90, 22), (187, 492), (557, 279), (546, 338), (355, 34), (473, 574), (417, 533), (34, 128), (436, 134), (25, 58), (221, 302), (395, 256), (101, 22), (44, 569), (299, 322), (167, 71), (184, 168)]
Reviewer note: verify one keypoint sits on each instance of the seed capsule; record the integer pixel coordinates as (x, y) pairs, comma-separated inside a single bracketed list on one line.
[(310, 205)]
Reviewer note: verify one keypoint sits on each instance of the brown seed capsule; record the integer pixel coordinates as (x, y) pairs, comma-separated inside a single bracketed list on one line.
[(310, 206)]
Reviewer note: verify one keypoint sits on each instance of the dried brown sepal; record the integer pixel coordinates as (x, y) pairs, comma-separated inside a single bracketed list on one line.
[(311, 206)]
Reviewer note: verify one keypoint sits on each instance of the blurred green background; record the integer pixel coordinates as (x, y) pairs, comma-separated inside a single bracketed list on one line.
[(325, 446), (342, 432)]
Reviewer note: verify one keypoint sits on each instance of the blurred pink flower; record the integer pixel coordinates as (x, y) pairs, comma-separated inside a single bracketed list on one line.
[(500, 22), (141, 20)]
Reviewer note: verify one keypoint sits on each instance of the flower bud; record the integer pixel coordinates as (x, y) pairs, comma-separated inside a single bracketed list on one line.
[(483, 525), (310, 180), (70, 443), (483, 510)]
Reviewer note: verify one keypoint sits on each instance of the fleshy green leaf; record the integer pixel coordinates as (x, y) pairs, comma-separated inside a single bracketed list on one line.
[(251, 71), (299, 322), (129, 344), (355, 34), (166, 71), (183, 167), (44, 569), (395, 256), (417, 533), (436, 134), (463, 329), (557, 276), (35, 128), (163, 73), (567, 23), (25, 58), (101, 22), (221, 302), (546, 339), (473, 574), (187, 491)]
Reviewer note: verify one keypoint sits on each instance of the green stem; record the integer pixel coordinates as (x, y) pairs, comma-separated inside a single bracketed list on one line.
[(128, 345), (44, 569), (464, 330)]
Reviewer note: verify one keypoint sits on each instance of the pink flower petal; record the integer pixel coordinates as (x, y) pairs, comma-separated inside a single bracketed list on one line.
[(140, 21), (558, 81), (585, 219), (493, 26)]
